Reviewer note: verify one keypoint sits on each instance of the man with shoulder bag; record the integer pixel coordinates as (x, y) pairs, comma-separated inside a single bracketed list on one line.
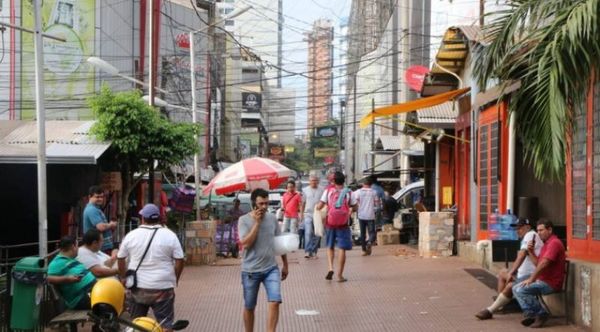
[(155, 263)]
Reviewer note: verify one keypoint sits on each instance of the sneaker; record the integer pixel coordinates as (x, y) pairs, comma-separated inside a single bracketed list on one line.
[(484, 314), (369, 249), (540, 321), (307, 256), (364, 253), (527, 321)]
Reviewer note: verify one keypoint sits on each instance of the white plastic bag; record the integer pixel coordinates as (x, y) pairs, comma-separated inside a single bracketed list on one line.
[(279, 214), (286, 243), (318, 217)]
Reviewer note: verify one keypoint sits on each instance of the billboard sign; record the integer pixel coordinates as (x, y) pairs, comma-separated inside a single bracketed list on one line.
[(326, 131), (251, 101), (325, 152)]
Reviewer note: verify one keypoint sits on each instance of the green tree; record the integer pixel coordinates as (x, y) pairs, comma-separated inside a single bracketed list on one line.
[(139, 135), (553, 48)]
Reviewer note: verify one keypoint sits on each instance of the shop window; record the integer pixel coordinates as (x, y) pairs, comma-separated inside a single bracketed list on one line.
[(578, 175)]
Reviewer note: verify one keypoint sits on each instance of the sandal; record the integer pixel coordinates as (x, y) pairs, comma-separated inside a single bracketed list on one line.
[(342, 279), (329, 275)]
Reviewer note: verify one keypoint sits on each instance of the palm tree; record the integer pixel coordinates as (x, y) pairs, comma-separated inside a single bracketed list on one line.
[(553, 48)]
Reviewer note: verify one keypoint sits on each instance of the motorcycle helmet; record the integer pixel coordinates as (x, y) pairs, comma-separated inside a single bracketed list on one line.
[(107, 298)]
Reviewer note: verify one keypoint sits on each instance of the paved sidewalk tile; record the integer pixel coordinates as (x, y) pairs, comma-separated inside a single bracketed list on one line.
[(392, 290)]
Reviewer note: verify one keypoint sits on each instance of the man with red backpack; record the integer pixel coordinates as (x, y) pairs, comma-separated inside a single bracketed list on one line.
[(340, 204)]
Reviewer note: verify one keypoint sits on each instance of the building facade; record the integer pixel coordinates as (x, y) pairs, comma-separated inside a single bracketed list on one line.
[(320, 62)]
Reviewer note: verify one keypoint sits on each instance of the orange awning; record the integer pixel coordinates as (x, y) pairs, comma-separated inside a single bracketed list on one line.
[(413, 105)]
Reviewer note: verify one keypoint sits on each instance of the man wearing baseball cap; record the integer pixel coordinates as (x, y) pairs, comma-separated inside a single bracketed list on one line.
[(521, 269), (156, 256)]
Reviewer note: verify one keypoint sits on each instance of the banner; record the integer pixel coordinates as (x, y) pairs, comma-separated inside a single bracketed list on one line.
[(325, 152), (67, 77), (251, 101)]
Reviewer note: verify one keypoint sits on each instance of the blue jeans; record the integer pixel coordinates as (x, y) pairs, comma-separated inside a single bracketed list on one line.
[(290, 225), (311, 241), (251, 281), (527, 297), (364, 224)]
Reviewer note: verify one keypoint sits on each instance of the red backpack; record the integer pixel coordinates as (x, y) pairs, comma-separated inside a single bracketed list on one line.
[(338, 208)]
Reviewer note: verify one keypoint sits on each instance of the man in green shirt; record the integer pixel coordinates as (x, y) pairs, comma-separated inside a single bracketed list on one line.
[(73, 280)]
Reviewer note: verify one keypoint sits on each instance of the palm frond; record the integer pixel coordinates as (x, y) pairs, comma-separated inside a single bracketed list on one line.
[(552, 47)]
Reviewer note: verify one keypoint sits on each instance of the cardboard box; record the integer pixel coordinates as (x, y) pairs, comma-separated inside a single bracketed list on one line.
[(390, 237)]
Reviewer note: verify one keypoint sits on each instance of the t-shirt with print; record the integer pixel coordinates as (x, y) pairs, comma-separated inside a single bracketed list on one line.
[(310, 197), (259, 257), (92, 216), (368, 200), (291, 203), (72, 293), (90, 259), (527, 267), (554, 273), (157, 270)]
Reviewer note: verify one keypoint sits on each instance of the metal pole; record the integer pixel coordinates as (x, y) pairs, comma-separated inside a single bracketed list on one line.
[(195, 121), (373, 137), (41, 126), (150, 55), (354, 131)]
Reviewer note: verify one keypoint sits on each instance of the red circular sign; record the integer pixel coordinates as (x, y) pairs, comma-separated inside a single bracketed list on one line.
[(183, 40), (415, 76)]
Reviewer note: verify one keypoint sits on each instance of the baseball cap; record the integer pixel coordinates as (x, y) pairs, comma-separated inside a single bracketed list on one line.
[(150, 211), (521, 222)]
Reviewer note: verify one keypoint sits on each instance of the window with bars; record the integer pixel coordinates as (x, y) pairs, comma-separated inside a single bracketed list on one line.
[(578, 174), (596, 163), (494, 164), (483, 177)]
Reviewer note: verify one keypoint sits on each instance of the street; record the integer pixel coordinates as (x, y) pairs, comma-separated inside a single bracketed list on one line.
[(392, 290)]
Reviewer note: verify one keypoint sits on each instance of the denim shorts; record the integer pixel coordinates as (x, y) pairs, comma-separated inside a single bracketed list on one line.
[(251, 281), (340, 237)]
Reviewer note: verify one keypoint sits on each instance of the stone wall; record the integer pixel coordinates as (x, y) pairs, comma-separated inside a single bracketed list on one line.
[(436, 234)]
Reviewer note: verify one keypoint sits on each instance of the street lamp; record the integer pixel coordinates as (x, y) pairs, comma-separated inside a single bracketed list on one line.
[(112, 70), (161, 103)]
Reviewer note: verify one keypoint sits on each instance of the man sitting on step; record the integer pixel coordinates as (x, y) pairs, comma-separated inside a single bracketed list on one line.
[(521, 269)]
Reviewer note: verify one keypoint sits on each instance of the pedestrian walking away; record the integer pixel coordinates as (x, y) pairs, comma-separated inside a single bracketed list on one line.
[(290, 203), (521, 269), (368, 203), (93, 217), (547, 278), (153, 254), (259, 266), (311, 196), (340, 202)]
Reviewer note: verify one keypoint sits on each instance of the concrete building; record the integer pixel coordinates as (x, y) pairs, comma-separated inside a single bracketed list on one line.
[(280, 104), (320, 62)]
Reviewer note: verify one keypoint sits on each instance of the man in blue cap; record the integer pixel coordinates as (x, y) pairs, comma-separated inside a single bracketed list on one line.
[(156, 255)]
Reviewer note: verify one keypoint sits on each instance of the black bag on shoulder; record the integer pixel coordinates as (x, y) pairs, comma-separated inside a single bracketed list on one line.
[(131, 275)]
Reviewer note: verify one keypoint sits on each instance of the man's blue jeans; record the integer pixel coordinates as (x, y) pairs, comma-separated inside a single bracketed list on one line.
[(311, 241), (364, 224), (527, 297)]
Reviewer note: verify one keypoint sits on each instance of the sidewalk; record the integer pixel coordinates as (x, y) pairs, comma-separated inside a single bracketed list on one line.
[(392, 290)]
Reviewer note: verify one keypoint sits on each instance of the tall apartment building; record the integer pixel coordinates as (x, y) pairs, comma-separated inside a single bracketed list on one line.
[(320, 62)]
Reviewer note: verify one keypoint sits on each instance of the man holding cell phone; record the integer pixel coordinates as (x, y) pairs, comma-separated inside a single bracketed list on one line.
[(73, 280), (257, 230)]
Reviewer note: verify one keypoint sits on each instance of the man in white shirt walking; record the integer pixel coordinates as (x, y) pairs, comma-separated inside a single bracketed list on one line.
[(521, 269), (368, 202), (158, 272), (310, 197)]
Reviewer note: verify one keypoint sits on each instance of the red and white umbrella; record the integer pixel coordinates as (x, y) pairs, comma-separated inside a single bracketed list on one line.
[(248, 174)]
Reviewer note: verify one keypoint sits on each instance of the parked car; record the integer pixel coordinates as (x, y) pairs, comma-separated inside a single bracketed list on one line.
[(275, 199)]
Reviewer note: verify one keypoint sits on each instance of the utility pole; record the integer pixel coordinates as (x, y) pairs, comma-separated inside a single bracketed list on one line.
[(151, 92), (195, 120), (279, 41), (395, 78), (373, 137), (481, 12), (354, 130), (41, 126)]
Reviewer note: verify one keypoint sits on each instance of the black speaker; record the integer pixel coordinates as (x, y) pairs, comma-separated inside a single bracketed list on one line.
[(528, 208)]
